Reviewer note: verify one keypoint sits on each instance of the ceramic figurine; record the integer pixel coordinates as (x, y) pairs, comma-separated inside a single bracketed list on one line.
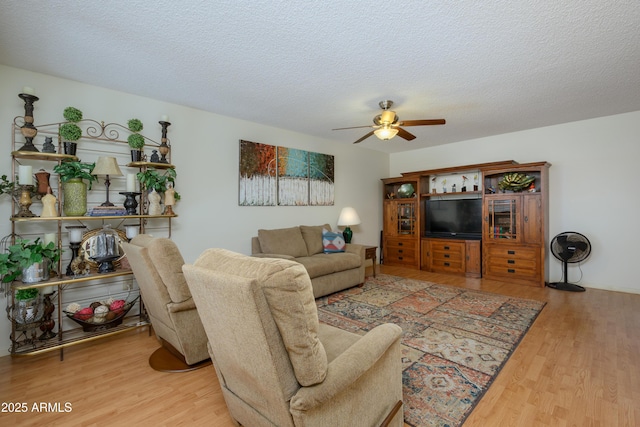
[(154, 203)]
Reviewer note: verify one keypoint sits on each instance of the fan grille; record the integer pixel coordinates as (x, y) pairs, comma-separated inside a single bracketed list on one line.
[(570, 247)]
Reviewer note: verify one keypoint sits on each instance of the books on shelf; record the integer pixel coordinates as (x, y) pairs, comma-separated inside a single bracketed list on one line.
[(108, 211)]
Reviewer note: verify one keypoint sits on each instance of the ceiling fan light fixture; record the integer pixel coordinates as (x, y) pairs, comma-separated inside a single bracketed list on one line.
[(385, 132)]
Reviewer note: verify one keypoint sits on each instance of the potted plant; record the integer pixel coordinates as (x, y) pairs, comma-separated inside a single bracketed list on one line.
[(154, 182), (27, 308), (70, 132), (151, 179), (135, 140), (72, 174), (31, 260)]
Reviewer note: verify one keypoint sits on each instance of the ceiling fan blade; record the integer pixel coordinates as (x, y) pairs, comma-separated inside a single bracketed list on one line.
[(353, 127), (427, 122), (365, 137), (406, 135)]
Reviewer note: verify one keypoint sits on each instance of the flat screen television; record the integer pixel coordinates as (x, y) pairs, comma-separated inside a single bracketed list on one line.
[(454, 218)]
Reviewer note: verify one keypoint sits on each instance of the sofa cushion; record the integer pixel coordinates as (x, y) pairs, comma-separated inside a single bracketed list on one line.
[(286, 241), (312, 235), (287, 289), (323, 264), (332, 241)]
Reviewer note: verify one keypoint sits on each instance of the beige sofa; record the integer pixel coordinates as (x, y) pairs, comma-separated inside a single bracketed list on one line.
[(329, 273)]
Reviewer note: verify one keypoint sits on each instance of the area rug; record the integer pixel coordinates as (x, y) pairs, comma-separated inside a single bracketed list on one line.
[(454, 341)]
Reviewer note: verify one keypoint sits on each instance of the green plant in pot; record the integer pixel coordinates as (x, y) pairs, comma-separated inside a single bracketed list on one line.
[(72, 174), (23, 256), (152, 180), (70, 132), (27, 308), (135, 140)]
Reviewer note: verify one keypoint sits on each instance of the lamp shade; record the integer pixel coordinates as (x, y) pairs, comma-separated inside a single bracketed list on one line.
[(385, 132), (348, 216), (107, 166)]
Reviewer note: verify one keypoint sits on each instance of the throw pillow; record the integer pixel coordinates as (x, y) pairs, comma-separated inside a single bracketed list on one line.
[(332, 241)]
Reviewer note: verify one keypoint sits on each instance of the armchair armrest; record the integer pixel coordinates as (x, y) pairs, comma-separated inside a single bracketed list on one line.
[(176, 307), (345, 369)]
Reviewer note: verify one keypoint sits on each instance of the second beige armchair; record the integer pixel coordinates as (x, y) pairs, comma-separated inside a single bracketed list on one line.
[(157, 267)]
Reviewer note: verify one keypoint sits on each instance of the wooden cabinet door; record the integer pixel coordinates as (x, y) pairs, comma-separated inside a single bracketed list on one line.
[(473, 258), (532, 219)]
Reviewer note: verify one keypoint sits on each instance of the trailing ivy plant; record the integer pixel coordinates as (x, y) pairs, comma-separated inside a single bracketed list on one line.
[(23, 254), (6, 186), (151, 179), (72, 169)]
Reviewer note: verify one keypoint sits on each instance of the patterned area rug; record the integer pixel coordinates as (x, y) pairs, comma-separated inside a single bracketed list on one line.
[(454, 343)]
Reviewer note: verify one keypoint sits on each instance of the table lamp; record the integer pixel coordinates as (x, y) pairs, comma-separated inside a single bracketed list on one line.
[(348, 216), (107, 166)]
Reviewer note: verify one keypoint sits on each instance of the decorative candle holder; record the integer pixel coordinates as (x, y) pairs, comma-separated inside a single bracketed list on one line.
[(25, 202), (75, 240), (28, 130), (164, 147), (131, 230), (130, 203)]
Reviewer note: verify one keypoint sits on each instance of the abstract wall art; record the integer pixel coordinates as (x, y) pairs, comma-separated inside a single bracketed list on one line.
[(280, 176)]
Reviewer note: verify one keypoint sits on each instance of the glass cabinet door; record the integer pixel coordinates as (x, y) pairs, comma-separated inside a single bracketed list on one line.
[(406, 218), (501, 218)]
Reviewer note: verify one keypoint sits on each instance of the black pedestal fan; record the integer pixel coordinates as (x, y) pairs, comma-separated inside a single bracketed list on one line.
[(569, 247)]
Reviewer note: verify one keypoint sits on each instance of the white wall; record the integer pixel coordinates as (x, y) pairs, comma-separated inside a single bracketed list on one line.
[(594, 186), (205, 150)]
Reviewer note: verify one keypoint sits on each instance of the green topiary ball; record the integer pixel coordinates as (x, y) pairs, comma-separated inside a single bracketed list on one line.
[(70, 132), (135, 125), (72, 114)]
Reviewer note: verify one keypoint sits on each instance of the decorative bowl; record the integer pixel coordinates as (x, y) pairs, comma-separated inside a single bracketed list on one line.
[(106, 320), (405, 191)]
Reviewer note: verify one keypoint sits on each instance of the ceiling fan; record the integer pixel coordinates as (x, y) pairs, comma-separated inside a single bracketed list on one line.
[(387, 124)]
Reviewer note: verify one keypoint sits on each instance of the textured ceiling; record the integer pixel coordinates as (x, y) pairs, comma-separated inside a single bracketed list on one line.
[(488, 67)]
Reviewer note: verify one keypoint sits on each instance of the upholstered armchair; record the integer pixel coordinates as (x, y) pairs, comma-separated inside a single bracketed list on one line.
[(276, 364), (157, 267)]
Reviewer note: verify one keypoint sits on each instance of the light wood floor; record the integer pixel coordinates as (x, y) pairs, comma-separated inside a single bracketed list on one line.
[(577, 366)]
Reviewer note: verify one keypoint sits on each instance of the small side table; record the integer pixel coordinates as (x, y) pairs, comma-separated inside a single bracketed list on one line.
[(370, 253)]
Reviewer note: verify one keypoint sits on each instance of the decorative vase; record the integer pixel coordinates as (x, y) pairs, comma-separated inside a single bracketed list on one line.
[(42, 177), (70, 147), (75, 197), (36, 272), (28, 310), (136, 155)]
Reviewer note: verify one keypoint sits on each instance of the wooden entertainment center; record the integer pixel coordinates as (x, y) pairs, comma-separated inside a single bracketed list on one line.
[(514, 232)]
